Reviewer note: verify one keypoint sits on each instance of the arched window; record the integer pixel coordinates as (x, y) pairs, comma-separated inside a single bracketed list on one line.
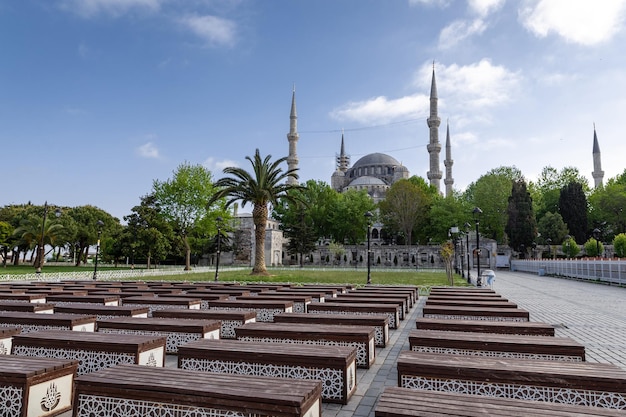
[(374, 233)]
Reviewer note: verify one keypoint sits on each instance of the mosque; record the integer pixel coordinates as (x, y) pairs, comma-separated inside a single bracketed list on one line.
[(376, 172)]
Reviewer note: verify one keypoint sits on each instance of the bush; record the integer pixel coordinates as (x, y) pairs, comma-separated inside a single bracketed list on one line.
[(570, 248), (619, 245), (593, 247)]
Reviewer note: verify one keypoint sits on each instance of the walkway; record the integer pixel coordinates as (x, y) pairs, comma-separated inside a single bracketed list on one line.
[(592, 314)]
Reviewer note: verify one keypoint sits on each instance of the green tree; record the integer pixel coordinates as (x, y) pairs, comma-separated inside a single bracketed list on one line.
[(6, 232), (348, 217), (447, 254), (607, 206), (521, 226), (182, 201), (551, 226), (619, 245), (265, 186), (403, 208), (38, 229), (573, 209), (86, 218), (446, 212), (546, 190), (570, 247)]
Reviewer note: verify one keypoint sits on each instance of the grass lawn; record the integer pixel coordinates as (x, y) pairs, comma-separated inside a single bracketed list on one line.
[(291, 275)]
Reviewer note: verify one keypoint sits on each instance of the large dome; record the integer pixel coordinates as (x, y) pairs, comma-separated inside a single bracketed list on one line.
[(366, 181), (376, 159)]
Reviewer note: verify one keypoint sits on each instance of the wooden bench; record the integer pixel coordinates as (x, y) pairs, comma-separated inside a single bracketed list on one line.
[(33, 387), (142, 391), (335, 366), (461, 290), (316, 296), (6, 339), (163, 303), (394, 289), (33, 322), (579, 383), (103, 312), (404, 402), (462, 302), (361, 337), (93, 350), (25, 306), (204, 297), (497, 345), (476, 313), (390, 311), (477, 297), (177, 332), (265, 309), (380, 322), (31, 298), (528, 328), (107, 300), (229, 319), (376, 299), (408, 295), (327, 292), (300, 302)]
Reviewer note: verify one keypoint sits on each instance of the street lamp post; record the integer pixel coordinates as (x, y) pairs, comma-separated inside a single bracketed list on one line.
[(218, 221), (100, 223), (369, 216), (467, 251), (42, 243), (454, 234), (549, 242), (596, 236), (477, 212)]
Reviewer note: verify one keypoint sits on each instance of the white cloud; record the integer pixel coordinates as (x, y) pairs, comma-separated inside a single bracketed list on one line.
[(218, 166), (439, 3), (485, 7), (382, 110), (478, 85), (91, 8), (578, 21), (212, 29), (458, 30), (148, 150)]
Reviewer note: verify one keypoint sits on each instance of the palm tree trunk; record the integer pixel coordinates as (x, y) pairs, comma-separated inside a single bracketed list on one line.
[(259, 218)]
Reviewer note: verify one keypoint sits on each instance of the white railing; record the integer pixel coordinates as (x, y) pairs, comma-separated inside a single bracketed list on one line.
[(610, 271)]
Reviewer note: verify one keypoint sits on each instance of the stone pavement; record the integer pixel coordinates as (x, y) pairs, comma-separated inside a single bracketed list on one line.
[(590, 313)]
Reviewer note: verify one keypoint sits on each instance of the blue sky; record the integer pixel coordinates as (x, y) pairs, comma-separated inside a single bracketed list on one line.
[(98, 98)]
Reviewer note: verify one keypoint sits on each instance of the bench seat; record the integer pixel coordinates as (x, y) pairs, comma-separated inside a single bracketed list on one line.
[(32, 387), (335, 366), (265, 309), (452, 297), (316, 296), (141, 391), (529, 328), (177, 332), (103, 312), (389, 310), (34, 322), (361, 337), (163, 303), (380, 322), (300, 302), (204, 298), (107, 300), (94, 350), (31, 298), (403, 402), (375, 299), (229, 319), (497, 345), (25, 306), (580, 383), (462, 302), (476, 313), (407, 294)]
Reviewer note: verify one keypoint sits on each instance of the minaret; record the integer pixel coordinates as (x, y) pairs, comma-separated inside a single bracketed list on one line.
[(292, 137), (448, 162), (597, 173), (343, 160), (434, 147)]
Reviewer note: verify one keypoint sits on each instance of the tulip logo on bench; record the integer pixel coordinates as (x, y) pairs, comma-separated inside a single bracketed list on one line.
[(51, 399)]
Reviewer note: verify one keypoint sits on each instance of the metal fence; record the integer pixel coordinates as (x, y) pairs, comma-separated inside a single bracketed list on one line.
[(611, 271)]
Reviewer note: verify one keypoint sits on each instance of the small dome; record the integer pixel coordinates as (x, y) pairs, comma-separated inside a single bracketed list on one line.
[(366, 181), (376, 159)]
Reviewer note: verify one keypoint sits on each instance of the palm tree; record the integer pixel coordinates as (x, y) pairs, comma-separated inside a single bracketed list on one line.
[(30, 230), (266, 185)]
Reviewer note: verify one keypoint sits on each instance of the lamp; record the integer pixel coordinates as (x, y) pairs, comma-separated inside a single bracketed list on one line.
[(369, 216), (477, 212), (99, 223), (467, 227), (596, 235), (218, 221)]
